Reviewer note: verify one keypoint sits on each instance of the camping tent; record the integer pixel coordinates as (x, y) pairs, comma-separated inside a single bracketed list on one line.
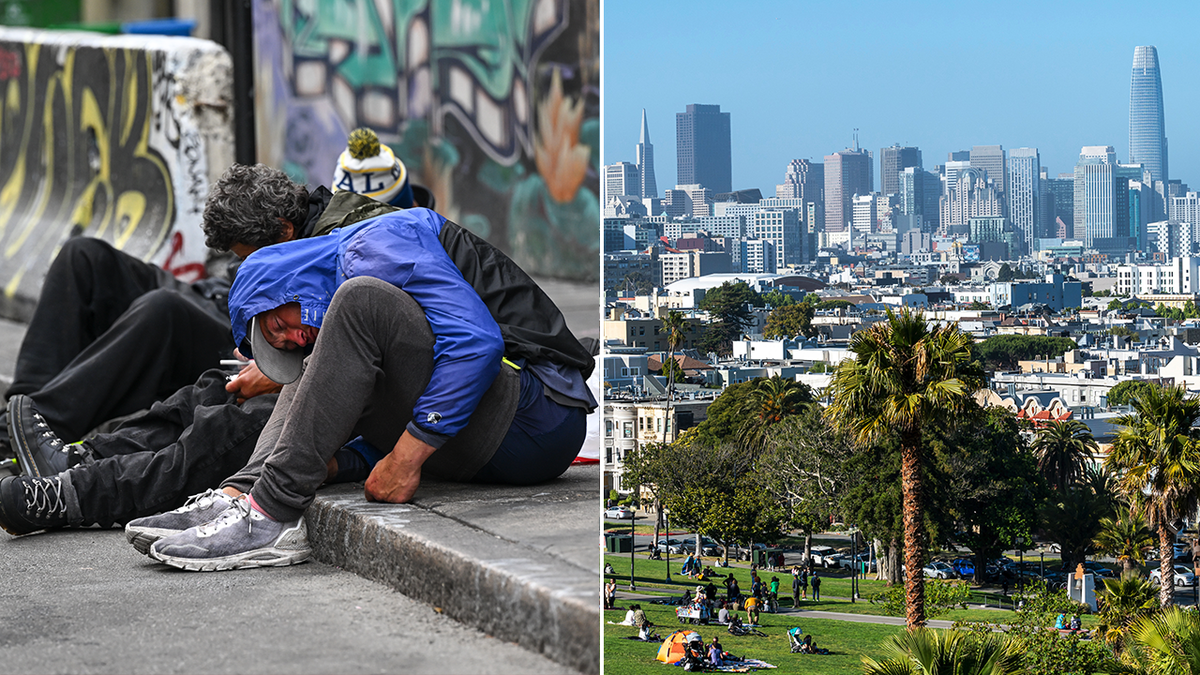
[(673, 647)]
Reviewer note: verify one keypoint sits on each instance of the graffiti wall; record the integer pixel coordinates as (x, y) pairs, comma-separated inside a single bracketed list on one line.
[(102, 137), (492, 104)]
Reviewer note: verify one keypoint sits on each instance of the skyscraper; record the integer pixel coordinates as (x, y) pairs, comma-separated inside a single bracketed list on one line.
[(1147, 133), (702, 148), (1094, 193), (892, 161), (990, 158), (620, 180), (645, 162), (847, 173), (1024, 171), (804, 180)]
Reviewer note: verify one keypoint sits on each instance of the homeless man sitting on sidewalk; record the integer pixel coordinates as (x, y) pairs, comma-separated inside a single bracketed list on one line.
[(111, 334), (409, 319), (198, 436)]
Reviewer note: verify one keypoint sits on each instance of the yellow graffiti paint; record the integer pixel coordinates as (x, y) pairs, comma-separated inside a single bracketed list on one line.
[(131, 206)]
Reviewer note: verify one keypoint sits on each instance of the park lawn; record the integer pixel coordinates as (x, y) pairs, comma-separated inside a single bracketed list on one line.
[(847, 642), (653, 574)]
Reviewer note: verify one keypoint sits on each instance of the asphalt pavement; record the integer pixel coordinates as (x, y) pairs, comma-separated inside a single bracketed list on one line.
[(463, 580)]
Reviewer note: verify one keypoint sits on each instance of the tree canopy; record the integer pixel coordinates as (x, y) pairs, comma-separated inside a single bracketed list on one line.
[(789, 321), (1123, 393), (1002, 352)]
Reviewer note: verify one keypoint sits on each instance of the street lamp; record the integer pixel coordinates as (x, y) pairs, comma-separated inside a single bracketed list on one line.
[(667, 520), (1020, 542), (632, 545)]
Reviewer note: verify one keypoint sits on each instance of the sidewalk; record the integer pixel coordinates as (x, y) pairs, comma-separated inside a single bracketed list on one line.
[(519, 564)]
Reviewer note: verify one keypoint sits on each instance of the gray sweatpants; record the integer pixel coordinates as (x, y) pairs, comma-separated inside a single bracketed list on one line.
[(372, 359)]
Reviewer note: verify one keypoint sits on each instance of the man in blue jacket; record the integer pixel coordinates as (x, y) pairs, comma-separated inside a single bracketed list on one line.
[(457, 366)]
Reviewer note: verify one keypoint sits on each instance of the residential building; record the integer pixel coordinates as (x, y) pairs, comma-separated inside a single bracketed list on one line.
[(676, 266), (623, 269), (783, 228), (645, 162), (702, 148), (757, 256), (1054, 292), (1147, 131), (636, 330), (1181, 275)]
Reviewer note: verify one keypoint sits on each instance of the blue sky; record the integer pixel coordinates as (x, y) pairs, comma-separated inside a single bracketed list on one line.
[(798, 77)]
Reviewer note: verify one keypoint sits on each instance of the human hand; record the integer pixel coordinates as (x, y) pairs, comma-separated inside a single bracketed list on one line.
[(396, 477), (250, 382)]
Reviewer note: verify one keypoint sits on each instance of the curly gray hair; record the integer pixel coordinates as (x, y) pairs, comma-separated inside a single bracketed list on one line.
[(245, 205)]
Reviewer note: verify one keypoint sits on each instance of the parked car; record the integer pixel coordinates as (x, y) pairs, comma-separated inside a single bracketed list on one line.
[(1099, 569), (849, 563), (817, 555), (834, 559), (619, 513), (745, 553), (668, 545), (1183, 576), (708, 546), (939, 570), (963, 567)]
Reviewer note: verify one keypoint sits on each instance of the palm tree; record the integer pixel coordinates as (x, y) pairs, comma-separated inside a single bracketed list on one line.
[(1167, 643), (1062, 448), (926, 652), (1122, 602), (1157, 457), (1126, 539), (673, 325), (904, 375), (771, 401)]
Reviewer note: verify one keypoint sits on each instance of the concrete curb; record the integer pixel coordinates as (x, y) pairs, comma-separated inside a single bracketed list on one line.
[(511, 589)]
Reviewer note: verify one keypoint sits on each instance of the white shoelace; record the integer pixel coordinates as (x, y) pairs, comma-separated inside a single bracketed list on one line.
[(40, 501), (238, 511)]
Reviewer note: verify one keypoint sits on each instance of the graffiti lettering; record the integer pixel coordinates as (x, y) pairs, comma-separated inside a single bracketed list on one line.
[(74, 158)]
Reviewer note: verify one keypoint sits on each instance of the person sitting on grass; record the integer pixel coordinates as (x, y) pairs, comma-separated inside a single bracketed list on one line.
[(723, 615), (641, 622), (715, 654)]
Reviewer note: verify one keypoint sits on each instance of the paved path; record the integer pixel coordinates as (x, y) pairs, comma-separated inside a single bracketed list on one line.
[(515, 567)]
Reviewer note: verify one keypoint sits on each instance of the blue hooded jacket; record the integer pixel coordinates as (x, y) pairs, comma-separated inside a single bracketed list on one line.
[(401, 248)]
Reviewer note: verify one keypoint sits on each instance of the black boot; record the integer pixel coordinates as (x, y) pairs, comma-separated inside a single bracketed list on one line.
[(29, 504), (40, 451)]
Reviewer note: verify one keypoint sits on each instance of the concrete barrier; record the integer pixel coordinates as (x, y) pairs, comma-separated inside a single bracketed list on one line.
[(117, 137)]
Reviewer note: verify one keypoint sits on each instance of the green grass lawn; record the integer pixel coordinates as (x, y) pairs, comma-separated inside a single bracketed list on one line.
[(652, 575), (650, 578), (846, 641)]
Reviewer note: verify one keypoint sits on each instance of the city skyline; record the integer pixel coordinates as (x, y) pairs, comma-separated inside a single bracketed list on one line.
[(944, 88)]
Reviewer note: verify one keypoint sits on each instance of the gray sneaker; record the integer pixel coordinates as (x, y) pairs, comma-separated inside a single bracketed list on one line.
[(239, 538), (199, 509)]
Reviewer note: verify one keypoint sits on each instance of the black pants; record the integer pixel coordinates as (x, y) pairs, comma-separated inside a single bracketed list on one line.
[(153, 461), (111, 335)]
